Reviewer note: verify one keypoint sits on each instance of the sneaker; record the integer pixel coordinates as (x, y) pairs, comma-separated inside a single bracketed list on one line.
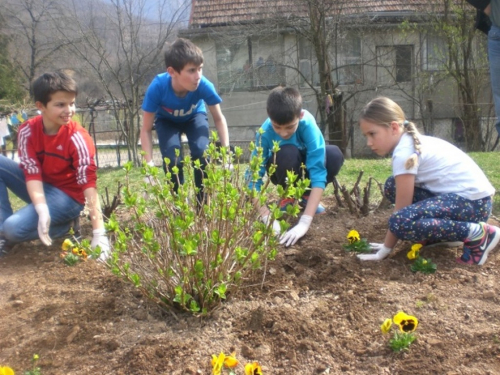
[(303, 203), (285, 202), (440, 243), (477, 248), (5, 246)]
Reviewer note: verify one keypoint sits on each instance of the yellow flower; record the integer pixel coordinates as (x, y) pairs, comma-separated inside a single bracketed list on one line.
[(406, 323), (36, 357), (353, 236), (231, 361), (67, 244), (414, 252), (75, 250), (416, 247), (424, 261), (6, 371), (386, 326), (253, 369), (217, 363)]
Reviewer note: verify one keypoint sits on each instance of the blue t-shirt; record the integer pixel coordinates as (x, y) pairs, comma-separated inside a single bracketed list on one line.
[(309, 141), (161, 99)]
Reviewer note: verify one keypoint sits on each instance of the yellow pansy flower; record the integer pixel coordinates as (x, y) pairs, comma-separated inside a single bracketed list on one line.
[(217, 363), (406, 323), (67, 244), (6, 371), (386, 326), (230, 361), (414, 252), (253, 369), (353, 236)]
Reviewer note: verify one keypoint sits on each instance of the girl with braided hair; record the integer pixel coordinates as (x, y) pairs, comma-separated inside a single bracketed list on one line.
[(441, 195)]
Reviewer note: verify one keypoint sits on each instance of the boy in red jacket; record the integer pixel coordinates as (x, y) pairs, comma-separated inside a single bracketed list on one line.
[(57, 172)]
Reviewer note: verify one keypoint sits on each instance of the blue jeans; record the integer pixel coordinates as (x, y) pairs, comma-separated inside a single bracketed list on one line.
[(494, 58), (23, 224), (169, 137)]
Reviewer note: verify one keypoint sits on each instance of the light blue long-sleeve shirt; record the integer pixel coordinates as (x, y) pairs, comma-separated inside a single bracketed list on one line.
[(309, 141)]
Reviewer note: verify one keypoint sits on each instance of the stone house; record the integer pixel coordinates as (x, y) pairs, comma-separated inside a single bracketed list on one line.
[(251, 46)]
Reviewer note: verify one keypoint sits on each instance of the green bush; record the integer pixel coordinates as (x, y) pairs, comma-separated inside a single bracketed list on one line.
[(189, 256)]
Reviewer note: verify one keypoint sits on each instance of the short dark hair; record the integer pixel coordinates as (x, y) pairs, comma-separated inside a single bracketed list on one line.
[(284, 105), (182, 52), (49, 83)]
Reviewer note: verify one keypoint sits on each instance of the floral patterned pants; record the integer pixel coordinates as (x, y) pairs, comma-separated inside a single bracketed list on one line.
[(443, 217)]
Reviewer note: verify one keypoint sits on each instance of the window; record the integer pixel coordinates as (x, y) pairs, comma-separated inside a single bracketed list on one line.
[(267, 55), (249, 63), (435, 52), (308, 65), (403, 63), (394, 64), (349, 61), (233, 66)]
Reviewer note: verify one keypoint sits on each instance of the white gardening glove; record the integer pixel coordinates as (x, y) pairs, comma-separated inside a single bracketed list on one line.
[(298, 231), (276, 224), (229, 160), (147, 178), (100, 239), (381, 252), (43, 223)]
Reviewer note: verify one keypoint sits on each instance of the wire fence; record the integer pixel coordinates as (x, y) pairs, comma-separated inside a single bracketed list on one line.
[(116, 155)]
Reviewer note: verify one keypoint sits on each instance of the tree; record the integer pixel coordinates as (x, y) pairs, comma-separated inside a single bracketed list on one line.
[(10, 88), (465, 65), (122, 44), (35, 42), (457, 58)]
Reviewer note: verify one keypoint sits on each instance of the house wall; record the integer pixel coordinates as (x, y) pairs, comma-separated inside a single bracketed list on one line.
[(246, 110)]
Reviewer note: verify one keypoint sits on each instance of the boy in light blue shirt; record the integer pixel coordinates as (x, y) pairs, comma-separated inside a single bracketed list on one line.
[(301, 142)]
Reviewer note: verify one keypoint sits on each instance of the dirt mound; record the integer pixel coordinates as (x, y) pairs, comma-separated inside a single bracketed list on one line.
[(318, 310)]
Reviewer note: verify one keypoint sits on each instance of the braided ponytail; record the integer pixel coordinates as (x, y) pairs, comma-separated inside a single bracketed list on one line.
[(411, 129)]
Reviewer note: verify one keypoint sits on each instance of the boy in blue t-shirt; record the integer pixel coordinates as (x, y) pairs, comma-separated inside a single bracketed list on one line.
[(175, 104), (301, 142)]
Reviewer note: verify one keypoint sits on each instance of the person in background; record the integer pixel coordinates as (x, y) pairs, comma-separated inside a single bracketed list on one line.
[(301, 143), (175, 104), (4, 132), (57, 172), (440, 193), (488, 21)]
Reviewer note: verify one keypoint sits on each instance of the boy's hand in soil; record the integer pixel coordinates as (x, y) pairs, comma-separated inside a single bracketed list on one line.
[(382, 252), (100, 239), (297, 232)]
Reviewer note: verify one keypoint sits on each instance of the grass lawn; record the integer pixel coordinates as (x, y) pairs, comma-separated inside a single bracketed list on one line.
[(379, 169)]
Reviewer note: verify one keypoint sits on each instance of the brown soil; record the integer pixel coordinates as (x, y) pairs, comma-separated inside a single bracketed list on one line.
[(319, 312)]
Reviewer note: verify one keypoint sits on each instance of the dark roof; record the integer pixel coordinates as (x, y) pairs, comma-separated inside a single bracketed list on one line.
[(205, 13)]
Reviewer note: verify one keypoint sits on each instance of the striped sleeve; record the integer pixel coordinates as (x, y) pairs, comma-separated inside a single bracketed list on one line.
[(84, 162), (27, 155)]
